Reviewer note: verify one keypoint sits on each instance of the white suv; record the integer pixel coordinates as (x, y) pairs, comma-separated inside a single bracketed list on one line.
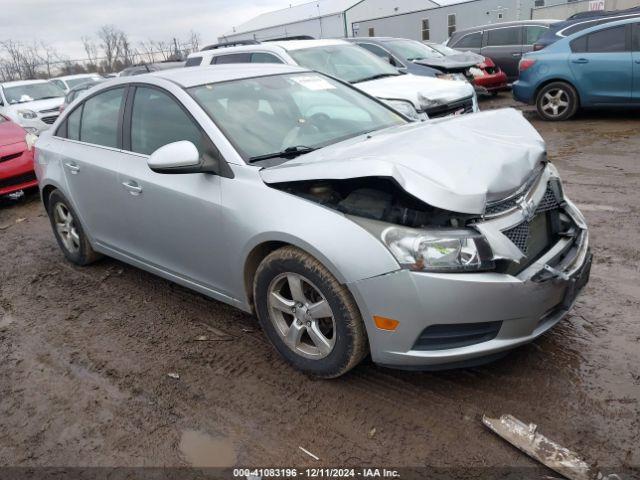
[(415, 96), (32, 104), (69, 81)]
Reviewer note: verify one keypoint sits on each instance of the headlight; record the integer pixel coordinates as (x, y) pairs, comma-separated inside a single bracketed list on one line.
[(406, 108), (444, 250), (27, 114)]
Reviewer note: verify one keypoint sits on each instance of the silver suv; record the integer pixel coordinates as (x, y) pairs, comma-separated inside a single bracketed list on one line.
[(345, 228)]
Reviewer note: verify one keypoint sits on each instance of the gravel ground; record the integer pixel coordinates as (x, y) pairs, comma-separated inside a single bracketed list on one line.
[(85, 355)]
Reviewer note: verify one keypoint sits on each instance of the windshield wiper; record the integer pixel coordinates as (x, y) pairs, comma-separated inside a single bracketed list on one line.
[(376, 77), (47, 98), (290, 152)]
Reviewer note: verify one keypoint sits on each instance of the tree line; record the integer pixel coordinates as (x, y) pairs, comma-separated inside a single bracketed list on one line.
[(109, 50)]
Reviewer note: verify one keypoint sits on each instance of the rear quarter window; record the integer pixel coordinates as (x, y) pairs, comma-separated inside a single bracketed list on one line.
[(193, 62)]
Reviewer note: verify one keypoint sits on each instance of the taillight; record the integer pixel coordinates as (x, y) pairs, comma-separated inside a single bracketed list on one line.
[(537, 46), (525, 64)]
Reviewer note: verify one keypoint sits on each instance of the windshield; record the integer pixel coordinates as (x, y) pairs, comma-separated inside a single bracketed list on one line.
[(350, 63), (72, 82), (31, 92), (266, 115), (412, 50)]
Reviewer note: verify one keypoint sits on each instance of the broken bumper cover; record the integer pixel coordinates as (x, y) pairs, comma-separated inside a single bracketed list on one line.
[(518, 308)]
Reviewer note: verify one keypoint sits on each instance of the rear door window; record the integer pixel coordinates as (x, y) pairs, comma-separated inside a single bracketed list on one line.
[(473, 40), (231, 58), (607, 41), (100, 118), (503, 36)]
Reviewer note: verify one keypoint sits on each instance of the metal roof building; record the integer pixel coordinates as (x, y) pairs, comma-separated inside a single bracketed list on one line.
[(319, 19)]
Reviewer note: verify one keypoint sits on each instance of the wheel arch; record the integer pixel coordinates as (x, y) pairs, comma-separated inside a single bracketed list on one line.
[(257, 253), (46, 192)]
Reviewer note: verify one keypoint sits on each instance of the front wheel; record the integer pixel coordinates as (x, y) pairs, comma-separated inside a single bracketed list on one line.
[(557, 101), (311, 319)]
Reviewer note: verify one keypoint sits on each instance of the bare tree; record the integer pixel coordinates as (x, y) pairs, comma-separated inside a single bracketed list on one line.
[(194, 42), (110, 38), (48, 57), (91, 49)]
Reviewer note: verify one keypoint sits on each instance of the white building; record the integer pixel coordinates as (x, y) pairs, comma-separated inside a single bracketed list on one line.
[(431, 20), (319, 19)]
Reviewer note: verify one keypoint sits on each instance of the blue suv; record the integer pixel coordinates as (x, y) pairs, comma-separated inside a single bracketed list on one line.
[(596, 67)]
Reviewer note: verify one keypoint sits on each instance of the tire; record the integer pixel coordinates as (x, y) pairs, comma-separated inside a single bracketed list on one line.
[(342, 342), (74, 243), (557, 101)]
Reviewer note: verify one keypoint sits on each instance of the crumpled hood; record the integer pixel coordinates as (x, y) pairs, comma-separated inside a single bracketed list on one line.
[(457, 164), (10, 133), (412, 87), (459, 60)]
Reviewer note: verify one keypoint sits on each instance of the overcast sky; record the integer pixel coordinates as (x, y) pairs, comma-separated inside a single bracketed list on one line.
[(61, 23)]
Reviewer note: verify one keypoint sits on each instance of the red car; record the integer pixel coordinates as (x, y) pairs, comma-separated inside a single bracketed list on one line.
[(16, 161), (488, 76)]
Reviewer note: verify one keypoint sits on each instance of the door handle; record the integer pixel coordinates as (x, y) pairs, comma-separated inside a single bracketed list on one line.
[(637, 61), (133, 188), (580, 60), (72, 167), (517, 54)]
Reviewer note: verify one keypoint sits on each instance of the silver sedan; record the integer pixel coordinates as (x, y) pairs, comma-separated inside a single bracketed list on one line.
[(347, 229)]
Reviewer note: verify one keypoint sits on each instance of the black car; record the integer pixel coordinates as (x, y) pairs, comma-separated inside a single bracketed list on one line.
[(505, 43), (580, 21)]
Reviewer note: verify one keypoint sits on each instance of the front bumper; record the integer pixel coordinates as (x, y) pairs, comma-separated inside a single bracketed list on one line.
[(521, 306), (16, 169)]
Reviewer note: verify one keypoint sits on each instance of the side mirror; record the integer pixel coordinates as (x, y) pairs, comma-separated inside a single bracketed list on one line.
[(177, 157)]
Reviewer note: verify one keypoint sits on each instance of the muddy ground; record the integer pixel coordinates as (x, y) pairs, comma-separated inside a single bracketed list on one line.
[(85, 355)]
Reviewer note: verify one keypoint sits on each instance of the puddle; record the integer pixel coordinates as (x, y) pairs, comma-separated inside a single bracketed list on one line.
[(202, 450)]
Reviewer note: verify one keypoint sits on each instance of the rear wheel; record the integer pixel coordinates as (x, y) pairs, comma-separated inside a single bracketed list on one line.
[(311, 319), (68, 232), (557, 101)]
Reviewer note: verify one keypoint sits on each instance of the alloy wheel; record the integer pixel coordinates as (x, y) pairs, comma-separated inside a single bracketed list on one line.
[(66, 228), (302, 316), (555, 102)]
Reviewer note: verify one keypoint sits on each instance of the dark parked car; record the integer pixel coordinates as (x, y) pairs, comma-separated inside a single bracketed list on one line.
[(597, 67), (581, 21), (505, 43), (426, 58), (391, 51), (150, 67), (77, 91)]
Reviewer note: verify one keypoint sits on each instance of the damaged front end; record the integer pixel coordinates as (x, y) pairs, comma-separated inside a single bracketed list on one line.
[(534, 233)]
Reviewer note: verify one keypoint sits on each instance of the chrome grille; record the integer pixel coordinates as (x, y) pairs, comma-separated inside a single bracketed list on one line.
[(455, 108), (51, 110), (49, 120), (520, 234)]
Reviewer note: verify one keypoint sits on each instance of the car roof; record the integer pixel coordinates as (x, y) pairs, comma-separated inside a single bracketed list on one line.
[(190, 77), (515, 23), (18, 83), (602, 26), (288, 45)]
